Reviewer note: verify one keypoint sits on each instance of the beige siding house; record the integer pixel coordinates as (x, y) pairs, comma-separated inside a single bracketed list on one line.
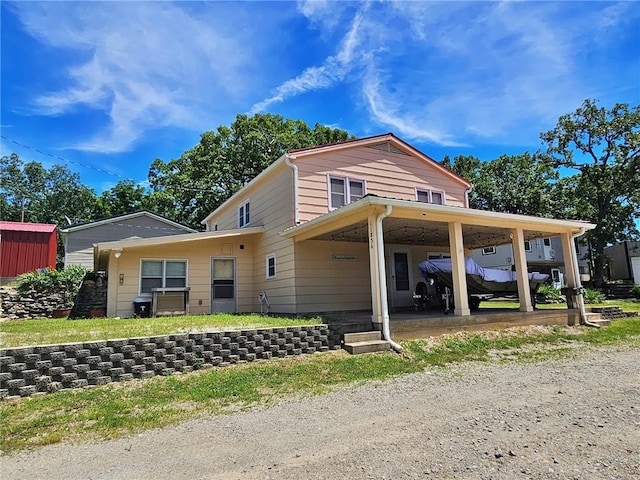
[(79, 239), (334, 228)]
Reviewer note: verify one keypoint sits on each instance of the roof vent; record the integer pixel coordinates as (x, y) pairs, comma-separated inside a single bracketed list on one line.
[(387, 147)]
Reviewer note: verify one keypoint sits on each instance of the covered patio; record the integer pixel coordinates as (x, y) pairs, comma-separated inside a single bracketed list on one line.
[(384, 223)]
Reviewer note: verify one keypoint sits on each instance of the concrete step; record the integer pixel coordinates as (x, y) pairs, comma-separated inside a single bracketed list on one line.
[(596, 318), (357, 337), (357, 348)]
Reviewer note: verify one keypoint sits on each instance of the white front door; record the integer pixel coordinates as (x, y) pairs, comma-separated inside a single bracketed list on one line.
[(401, 280), (223, 285)]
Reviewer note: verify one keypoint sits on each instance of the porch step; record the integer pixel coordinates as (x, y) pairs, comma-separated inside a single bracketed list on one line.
[(362, 336), (364, 342)]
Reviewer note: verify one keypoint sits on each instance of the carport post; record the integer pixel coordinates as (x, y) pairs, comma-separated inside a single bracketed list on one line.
[(522, 274), (374, 269), (458, 270)]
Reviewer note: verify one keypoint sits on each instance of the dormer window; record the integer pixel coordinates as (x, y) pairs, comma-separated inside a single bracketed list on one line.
[(344, 190), (243, 214)]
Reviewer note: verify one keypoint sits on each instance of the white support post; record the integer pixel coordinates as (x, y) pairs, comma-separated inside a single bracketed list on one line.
[(458, 270), (520, 259), (374, 269)]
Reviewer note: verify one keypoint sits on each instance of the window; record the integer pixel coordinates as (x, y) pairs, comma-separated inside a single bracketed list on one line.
[(271, 266), (344, 190), (430, 196), (215, 227), (489, 250), (547, 242), (162, 274), (243, 214), (527, 246)]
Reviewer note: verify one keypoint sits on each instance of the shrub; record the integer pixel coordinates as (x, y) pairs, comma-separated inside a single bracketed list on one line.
[(636, 291), (593, 296), (550, 293), (67, 281)]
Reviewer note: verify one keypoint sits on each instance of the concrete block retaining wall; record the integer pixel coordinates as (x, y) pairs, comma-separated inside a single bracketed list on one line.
[(27, 371)]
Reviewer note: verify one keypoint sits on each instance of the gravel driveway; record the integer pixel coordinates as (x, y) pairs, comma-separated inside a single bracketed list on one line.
[(574, 418)]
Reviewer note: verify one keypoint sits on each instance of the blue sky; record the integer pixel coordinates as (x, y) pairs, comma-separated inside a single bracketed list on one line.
[(110, 86)]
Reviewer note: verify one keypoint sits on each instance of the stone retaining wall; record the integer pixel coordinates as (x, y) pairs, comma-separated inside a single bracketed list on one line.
[(14, 305), (27, 371)]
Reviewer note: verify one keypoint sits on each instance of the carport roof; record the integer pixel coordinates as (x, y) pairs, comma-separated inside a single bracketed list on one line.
[(422, 223)]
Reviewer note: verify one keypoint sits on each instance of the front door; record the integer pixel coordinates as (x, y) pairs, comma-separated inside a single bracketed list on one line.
[(401, 279), (223, 285)]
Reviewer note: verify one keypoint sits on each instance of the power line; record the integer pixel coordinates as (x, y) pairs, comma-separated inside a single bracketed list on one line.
[(91, 167), (57, 157)]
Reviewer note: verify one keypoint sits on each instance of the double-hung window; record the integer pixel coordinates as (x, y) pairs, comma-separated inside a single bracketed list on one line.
[(244, 214), (344, 190), (162, 274), (430, 196), (271, 266)]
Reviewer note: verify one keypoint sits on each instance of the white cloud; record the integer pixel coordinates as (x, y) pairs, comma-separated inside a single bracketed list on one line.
[(146, 64)]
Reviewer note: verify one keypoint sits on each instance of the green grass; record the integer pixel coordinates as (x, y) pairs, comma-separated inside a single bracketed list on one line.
[(122, 409), (49, 331)]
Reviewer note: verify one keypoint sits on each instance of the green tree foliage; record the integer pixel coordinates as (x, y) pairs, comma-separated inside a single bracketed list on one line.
[(604, 147), (522, 184), (188, 188), (32, 193), (125, 197)]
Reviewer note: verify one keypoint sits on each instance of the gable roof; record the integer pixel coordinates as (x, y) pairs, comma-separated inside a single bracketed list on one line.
[(358, 142), (393, 144), (128, 216), (27, 227)]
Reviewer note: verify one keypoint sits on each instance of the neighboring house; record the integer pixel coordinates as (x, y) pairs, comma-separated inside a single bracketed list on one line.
[(544, 255), (78, 239), (624, 261), (332, 228), (25, 247)]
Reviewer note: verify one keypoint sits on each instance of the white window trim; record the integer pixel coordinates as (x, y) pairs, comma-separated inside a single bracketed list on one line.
[(266, 264), (347, 188), (244, 213), (430, 192), (164, 272), (527, 250), (491, 251)]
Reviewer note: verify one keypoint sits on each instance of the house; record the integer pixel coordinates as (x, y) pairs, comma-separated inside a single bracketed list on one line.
[(624, 261), (332, 228), (78, 239), (544, 255), (25, 247)]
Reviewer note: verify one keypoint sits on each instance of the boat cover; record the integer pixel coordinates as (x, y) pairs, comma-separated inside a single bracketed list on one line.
[(443, 265)]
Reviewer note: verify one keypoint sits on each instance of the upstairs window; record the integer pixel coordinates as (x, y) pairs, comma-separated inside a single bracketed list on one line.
[(430, 196), (489, 250), (244, 214), (527, 246), (344, 190)]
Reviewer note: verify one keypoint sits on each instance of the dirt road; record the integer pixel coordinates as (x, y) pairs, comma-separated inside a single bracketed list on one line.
[(574, 418)]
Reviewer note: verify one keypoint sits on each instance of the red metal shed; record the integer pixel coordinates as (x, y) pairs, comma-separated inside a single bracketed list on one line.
[(25, 247)]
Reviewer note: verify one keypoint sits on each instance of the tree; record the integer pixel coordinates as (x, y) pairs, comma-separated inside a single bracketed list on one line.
[(125, 197), (202, 178), (522, 184), (604, 147)]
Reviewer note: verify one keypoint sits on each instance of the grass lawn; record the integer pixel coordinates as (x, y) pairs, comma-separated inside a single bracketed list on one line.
[(49, 331), (121, 409)]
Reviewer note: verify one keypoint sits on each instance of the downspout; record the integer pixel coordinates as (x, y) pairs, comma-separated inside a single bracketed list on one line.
[(383, 280), (579, 289), (294, 167), (466, 195)]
